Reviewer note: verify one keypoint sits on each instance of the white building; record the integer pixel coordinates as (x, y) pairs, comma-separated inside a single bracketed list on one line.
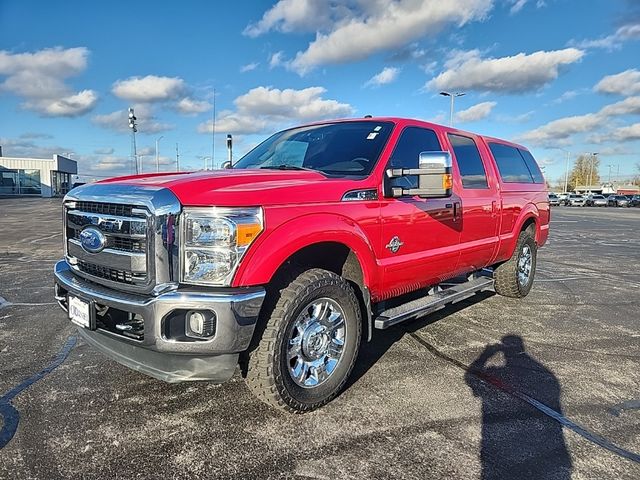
[(36, 176)]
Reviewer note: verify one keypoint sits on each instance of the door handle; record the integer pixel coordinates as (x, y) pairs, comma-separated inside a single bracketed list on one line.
[(456, 211)]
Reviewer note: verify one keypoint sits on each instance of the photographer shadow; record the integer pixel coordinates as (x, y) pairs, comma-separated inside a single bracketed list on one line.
[(518, 441)]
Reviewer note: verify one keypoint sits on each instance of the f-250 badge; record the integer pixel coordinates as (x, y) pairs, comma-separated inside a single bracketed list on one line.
[(395, 244)]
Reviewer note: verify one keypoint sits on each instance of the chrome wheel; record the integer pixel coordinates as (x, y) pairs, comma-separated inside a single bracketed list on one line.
[(525, 263), (316, 342)]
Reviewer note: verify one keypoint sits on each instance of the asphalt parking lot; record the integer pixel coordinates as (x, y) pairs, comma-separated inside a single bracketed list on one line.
[(546, 387)]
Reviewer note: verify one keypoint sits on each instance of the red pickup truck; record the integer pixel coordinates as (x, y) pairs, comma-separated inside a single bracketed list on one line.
[(283, 262)]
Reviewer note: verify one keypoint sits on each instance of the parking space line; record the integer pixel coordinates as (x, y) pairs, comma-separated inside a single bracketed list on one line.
[(506, 388), (11, 416)]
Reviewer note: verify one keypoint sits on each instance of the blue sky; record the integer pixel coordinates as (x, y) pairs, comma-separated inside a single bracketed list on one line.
[(555, 75)]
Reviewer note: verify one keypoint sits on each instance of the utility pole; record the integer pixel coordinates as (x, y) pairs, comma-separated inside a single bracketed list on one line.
[(134, 128), (177, 159), (566, 173), (452, 96), (610, 167), (593, 161), (158, 153), (213, 131)]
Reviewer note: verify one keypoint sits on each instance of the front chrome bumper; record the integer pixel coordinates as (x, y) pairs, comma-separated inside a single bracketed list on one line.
[(166, 358)]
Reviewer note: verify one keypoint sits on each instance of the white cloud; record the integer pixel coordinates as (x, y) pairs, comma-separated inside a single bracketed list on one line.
[(624, 83), (476, 112), (628, 106), (386, 76), (26, 147), (614, 41), (104, 151), (557, 131), (277, 60), (265, 107), (69, 106), (249, 67), (294, 16), (149, 89), (625, 134), (355, 30), (118, 120), (39, 78), (190, 106), (517, 5), (515, 74)]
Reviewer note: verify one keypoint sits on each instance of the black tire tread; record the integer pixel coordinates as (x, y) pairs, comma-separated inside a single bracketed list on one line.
[(505, 275), (261, 378)]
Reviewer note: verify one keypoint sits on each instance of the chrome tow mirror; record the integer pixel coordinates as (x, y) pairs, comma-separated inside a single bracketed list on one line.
[(434, 176)]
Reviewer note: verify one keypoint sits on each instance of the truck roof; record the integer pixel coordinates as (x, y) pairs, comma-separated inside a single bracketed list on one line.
[(403, 121)]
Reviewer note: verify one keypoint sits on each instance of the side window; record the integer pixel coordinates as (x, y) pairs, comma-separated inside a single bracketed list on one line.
[(412, 141), (532, 165), (510, 163), (469, 162)]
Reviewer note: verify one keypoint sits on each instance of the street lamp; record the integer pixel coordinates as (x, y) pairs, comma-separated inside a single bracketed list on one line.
[(158, 153), (205, 162), (134, 128), (452, 96), (593, 161)]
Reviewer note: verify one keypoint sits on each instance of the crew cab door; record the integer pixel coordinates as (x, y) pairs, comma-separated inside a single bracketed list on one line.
[(420, 236), (475, 184)]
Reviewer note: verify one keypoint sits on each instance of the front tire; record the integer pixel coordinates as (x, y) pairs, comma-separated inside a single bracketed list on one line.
[(309, 344), (514, 278)]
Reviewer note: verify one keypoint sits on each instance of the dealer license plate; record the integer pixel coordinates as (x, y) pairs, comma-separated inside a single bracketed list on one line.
[(79, 312)]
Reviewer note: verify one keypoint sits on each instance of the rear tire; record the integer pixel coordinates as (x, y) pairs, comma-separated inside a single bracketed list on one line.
[(312, 330), (514, 277)]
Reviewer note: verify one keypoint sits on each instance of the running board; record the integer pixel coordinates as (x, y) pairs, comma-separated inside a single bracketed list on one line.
[(431, 303)]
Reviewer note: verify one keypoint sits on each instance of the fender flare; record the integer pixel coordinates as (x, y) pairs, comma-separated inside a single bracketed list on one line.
[(528, 212), (270, 251)]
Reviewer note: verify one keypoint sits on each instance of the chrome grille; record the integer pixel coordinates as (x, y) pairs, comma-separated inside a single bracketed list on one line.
[(117, 243), (138, 244), (106, 208), (114, 275), (124, 256)]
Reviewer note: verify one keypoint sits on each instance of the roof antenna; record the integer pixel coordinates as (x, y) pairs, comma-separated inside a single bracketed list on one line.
[(368, 116)]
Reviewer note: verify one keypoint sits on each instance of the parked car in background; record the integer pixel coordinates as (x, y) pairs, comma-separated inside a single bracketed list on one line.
[(554, 200), (635, 201), (596, 201), (575, 200), (617, 201), (563, 197)]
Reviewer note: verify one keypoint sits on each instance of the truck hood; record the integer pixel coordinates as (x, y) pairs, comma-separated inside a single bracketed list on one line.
[(247, 187)]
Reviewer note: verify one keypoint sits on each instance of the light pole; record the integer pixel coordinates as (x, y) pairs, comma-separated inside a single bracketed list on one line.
[(134, 128), (452, 96), (158, 153), (205, 162), (593, 161)]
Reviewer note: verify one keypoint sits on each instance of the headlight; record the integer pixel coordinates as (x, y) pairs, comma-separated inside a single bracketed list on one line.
[(215, 239)]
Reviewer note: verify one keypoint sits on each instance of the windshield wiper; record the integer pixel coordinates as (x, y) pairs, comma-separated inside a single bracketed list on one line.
[(287, 167)]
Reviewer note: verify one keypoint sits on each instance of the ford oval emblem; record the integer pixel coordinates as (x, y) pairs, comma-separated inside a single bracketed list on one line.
[(92, 240)]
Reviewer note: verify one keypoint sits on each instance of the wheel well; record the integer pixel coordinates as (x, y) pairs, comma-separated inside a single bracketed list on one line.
[(334, 257), (530, 224)]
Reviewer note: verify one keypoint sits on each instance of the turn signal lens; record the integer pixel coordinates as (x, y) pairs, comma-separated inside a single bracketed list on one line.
[(247, 232), (447, 181)]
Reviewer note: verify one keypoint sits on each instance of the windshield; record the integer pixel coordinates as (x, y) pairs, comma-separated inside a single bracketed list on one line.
[(336, 149), (598, 197), (576, 196)]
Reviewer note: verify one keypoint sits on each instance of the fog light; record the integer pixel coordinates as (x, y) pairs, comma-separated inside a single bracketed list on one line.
[(200, 323)]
